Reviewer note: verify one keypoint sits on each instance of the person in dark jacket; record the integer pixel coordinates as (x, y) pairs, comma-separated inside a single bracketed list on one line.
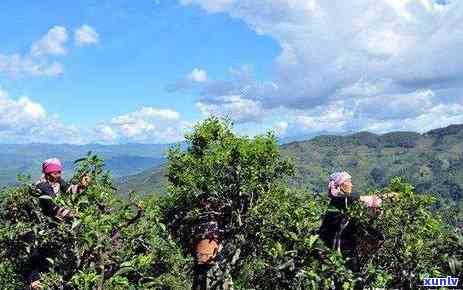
[(207, 240), (51, 184), (337, 230)]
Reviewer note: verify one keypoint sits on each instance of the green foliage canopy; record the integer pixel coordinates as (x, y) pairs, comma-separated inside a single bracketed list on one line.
[(269, 230), (114, 243)]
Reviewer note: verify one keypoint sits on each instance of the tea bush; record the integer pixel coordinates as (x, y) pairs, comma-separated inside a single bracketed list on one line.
[(269, 231)]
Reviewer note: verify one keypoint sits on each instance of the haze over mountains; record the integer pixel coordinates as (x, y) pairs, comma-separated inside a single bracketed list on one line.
[(121, 160), (433, 161)]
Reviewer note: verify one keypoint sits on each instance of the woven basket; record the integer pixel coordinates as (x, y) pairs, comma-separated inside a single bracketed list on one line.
[(206, 251)]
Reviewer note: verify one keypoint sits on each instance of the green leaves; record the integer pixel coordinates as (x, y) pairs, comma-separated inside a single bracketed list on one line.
[(269, 232), (310, 241), (227, 174), (93, 250)]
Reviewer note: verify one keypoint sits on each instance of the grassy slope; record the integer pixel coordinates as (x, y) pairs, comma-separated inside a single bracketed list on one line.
[(433, 162)]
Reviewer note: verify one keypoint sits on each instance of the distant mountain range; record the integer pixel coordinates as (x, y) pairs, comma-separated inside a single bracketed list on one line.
[(433, 162), (305, 137), (121, 160)]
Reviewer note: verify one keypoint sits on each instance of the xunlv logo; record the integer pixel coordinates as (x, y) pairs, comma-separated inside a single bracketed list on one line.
[(449, 281)]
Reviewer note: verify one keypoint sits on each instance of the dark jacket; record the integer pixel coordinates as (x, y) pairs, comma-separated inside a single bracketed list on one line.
[(336, 222), (52, 190)]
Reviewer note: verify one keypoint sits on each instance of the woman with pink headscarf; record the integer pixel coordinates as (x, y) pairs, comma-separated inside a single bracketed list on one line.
[(51, 184), (337, 230)]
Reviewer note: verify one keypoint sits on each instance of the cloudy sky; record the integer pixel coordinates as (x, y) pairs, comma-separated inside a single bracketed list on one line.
[(120, 71)]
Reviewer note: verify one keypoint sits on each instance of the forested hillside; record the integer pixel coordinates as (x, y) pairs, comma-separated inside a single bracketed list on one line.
[(432, 162)]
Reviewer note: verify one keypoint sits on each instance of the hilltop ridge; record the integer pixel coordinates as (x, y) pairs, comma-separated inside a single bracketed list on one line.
[(431, 161)]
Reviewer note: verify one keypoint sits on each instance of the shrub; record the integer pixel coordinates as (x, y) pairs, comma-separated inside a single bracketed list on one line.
[(268, 231), (113, 244)]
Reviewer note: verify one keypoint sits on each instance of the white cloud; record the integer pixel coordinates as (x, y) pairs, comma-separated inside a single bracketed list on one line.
[(351, 64), (34, 110), (421, 113), (197, 75), (16, 114), (51, 43), (196, 78), (24, 121), (85, 35), (280, 128), (148, 125), (436, 117), (16, 65), (106, 133), (227, 98), (235, 107), (398, 106), (334, 117), (38, 61), (211, 6)]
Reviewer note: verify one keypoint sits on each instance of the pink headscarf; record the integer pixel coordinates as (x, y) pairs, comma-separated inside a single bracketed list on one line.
[(336, 180), (51, 165)]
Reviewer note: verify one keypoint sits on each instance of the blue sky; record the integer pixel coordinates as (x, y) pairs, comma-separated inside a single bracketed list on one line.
[(124, 71)]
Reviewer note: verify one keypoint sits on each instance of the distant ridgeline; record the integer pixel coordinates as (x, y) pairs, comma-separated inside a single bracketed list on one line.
[(433, 162), (121, 160)]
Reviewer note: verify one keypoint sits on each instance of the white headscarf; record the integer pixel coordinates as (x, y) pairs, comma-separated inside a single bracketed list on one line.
[(336, 180)]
